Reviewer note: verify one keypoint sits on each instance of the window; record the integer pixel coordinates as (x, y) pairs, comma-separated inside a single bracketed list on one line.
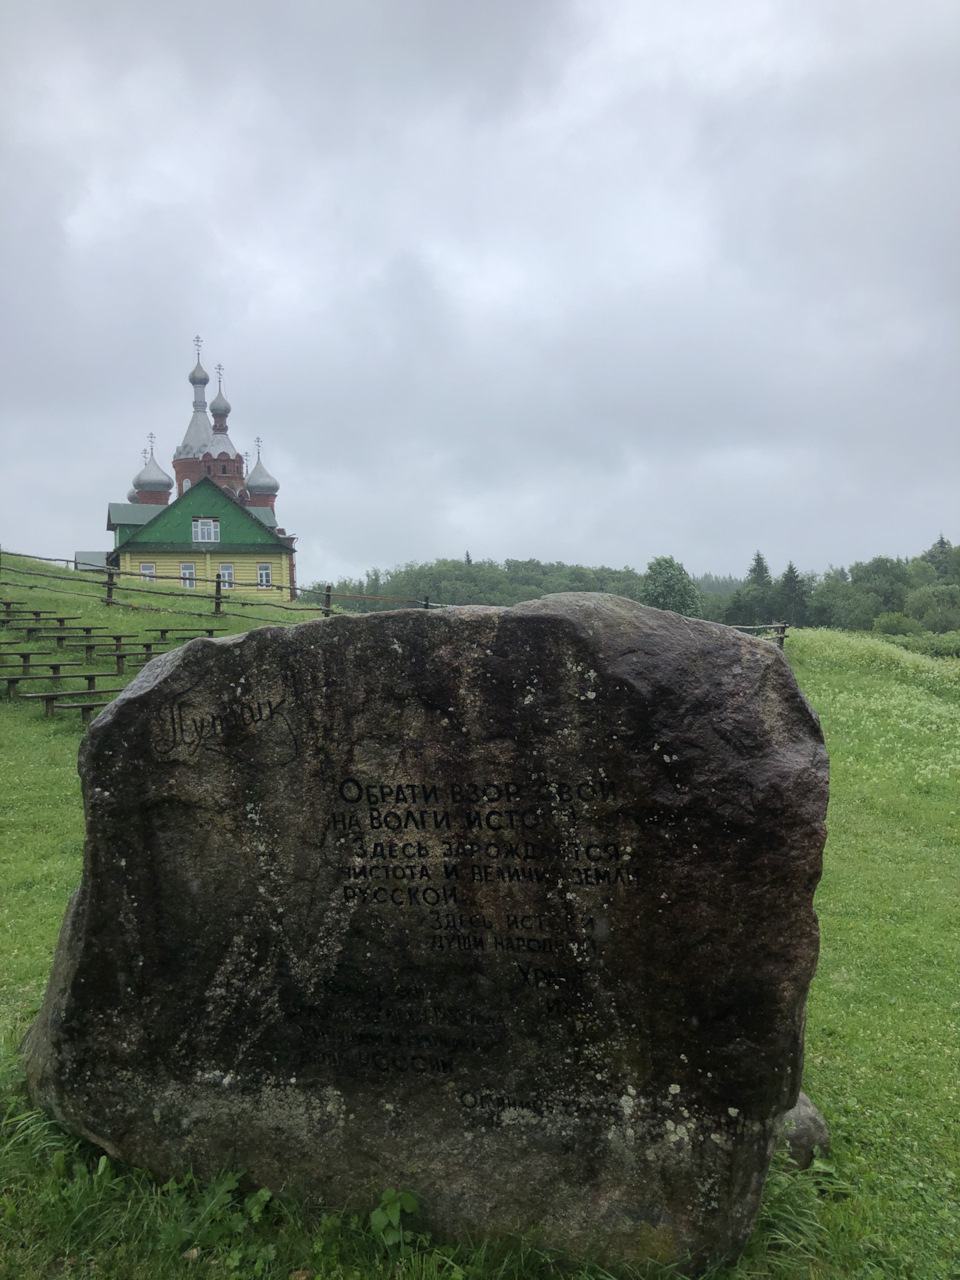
[(188, 575), (226, 577), (206, 530), (186, 485), (148, 571), (223, 467), (264, 576)]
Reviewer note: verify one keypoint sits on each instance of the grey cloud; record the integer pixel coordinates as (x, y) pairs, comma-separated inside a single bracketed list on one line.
[(582, 281)]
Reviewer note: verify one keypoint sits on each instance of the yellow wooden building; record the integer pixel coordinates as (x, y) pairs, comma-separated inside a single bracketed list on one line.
[(200, 534)]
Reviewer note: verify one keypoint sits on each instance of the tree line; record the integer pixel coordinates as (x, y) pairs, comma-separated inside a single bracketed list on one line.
[(666, 584), (896, 597)]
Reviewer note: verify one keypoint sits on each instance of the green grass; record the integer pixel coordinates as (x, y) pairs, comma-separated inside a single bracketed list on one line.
[(883, 1049), (883, 1041)]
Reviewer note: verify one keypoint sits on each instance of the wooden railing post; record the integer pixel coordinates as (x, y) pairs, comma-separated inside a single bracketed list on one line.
[(216, 595), (326, 599), (109, 586), (426, 602)]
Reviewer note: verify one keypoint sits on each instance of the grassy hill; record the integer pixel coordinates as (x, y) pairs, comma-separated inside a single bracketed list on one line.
[(883, 1049)]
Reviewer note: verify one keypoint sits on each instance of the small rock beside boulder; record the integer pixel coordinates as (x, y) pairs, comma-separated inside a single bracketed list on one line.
[(804, 1132)]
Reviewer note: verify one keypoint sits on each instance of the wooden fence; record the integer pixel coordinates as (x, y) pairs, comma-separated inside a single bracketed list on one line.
[(779, 630)]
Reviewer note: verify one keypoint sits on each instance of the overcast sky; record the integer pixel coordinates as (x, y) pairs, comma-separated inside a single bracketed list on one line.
[(591, 281)]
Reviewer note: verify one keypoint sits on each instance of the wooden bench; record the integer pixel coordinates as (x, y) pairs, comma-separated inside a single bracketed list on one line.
[(18, 622), (27, 667), (192, 633), (60, 634), (10, 614), (95, 646), (85, 708), (91, 678), (27, 655), (116, 656), (137, 657), (61, 637), (50, 700), (117, 637), (88, 631), (14, 681), (60, 619), (120, 656)]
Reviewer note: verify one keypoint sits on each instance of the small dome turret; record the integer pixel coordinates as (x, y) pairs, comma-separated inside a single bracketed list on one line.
[(261, 481), (199, 377), (132, 495), (152, 478), (220, 405)]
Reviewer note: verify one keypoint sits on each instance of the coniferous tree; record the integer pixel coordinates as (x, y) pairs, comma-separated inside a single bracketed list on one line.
[(791, 597), (753, 604), (759, 572), (939, 556)]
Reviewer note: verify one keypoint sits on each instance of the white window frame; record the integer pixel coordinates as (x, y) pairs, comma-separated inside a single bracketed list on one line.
[(206, 529), (227, 577), (265, 576), (148, 570), (188, 574)]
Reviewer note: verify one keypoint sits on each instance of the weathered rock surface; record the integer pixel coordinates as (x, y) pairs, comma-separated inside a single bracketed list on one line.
[(511, 908)]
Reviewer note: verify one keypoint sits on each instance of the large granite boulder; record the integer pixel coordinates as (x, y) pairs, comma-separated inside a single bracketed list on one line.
[(510, 908)]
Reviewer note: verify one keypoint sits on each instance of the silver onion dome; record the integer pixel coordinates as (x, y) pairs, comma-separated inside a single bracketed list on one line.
[(261, 481), (220, 405), (152, 478)]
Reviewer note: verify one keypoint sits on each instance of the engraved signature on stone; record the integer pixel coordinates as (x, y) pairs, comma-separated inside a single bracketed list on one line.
[(182, 726)]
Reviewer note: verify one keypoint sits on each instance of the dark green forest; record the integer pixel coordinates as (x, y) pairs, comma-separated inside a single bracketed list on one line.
[(666, 584), (913, 601)]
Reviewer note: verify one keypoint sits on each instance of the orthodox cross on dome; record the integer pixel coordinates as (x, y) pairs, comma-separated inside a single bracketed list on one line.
[(198, 343), (152, 439), (219, 372), (246, 461), (145, 456), (259, 443)]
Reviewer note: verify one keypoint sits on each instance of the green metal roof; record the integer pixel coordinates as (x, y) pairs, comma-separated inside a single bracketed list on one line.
[(90, 559), (130, 513), (170, 526), (133, 513)]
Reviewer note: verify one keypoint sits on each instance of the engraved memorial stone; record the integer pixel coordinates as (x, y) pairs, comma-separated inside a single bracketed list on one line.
[(509, 908)]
